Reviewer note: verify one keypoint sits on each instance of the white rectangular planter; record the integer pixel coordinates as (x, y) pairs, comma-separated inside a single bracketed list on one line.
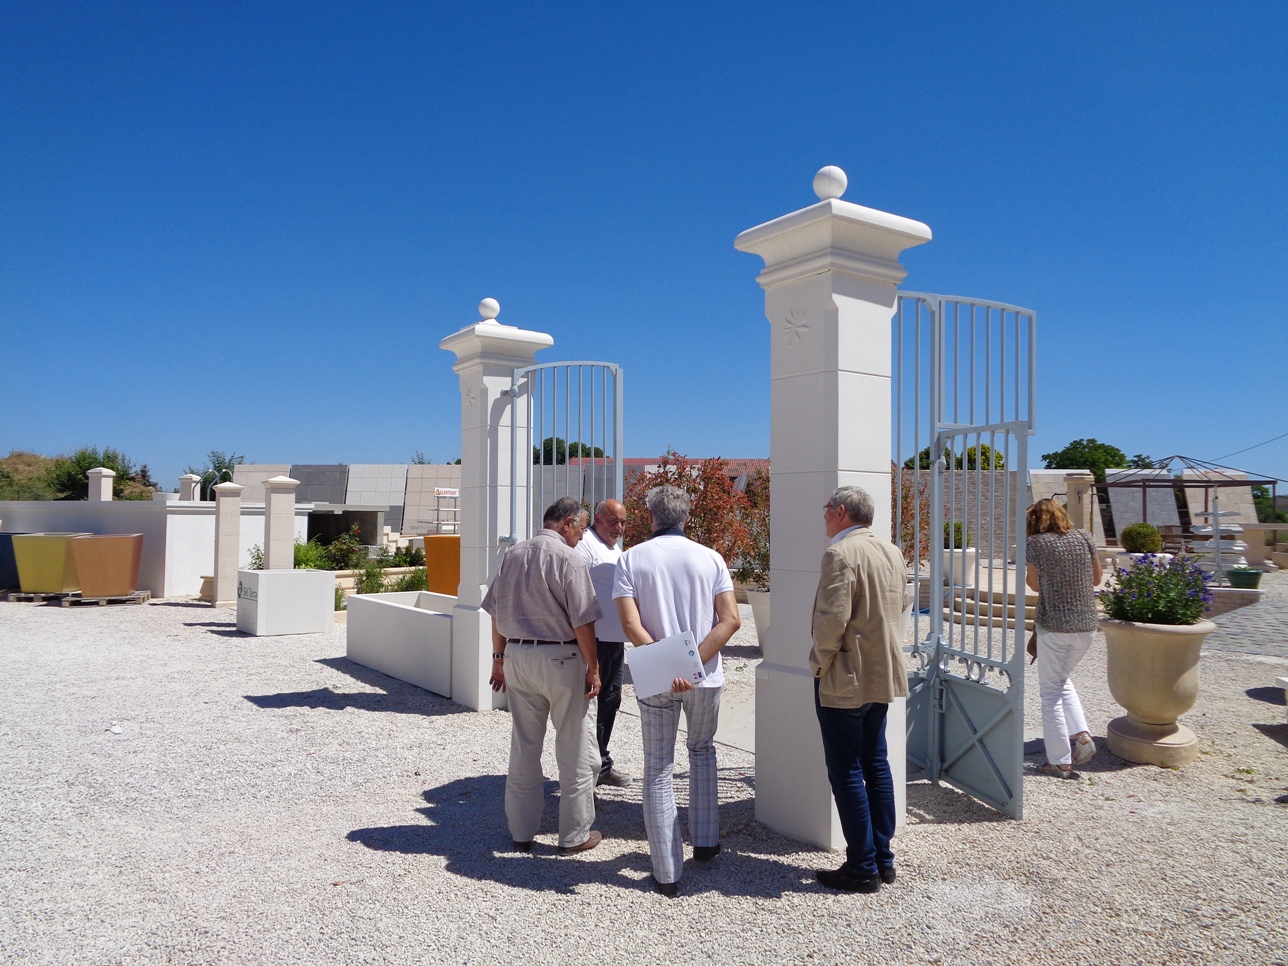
[(407, 636), (271, 602)]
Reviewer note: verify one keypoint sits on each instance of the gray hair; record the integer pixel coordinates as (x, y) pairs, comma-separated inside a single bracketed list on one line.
[(669, 506), (562, 509), (857, 503)]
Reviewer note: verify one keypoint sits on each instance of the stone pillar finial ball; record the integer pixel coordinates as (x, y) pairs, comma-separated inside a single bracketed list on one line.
[(489, 309), (830, 182)]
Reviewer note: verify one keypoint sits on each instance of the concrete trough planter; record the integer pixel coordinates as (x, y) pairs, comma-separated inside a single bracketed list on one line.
[(108, 563), (8, 566), (45, 563), (405, 635), (273, 602)]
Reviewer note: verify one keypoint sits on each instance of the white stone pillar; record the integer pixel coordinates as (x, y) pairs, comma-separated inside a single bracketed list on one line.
[(830, 278), (100, 484), (279, 523), (1079, 501), (189, 487), (487, 353), (227, 542)]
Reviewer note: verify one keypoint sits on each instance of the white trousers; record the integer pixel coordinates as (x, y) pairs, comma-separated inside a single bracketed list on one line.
[(659, 723), (1058, 654), (548, 682)]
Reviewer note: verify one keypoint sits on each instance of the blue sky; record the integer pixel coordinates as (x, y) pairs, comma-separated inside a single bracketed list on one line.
[(246, 226)]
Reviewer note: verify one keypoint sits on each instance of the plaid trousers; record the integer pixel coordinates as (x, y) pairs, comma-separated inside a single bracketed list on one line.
[(659, 722)]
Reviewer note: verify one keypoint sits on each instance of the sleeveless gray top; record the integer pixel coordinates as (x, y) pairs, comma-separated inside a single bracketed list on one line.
[(1066, 602)]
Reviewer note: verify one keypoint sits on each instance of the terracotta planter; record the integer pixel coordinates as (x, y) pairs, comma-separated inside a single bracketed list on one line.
[(108, 563), (1154, 674), (759, 601), (45, 563)]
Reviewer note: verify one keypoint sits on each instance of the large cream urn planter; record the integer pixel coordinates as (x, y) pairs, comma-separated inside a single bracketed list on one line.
[(1154, 675)]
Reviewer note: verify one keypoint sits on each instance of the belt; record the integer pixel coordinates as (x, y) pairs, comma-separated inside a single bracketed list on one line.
[(533, 642)]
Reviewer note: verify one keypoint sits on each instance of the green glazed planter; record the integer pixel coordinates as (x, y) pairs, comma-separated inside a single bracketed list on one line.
[(1244, 579)]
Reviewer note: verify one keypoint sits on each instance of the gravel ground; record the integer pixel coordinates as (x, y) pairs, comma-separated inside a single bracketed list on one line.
[(176, 792)]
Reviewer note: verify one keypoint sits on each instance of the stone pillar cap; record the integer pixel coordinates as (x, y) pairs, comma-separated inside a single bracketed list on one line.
[(101, 471), (280, 482), (190, 476), (489, 341), (227, 489)]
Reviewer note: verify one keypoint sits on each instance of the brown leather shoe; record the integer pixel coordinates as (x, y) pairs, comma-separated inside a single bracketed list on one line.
[(593, 839)]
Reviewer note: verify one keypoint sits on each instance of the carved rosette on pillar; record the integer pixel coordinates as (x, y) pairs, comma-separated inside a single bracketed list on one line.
[(830, 278), (487, 353)]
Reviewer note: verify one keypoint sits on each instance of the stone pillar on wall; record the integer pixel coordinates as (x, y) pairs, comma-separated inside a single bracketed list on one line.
[(190, 487), (279, 523), (1079, 503), (487, 353), (227, 542), (830, 279), (100, 484)]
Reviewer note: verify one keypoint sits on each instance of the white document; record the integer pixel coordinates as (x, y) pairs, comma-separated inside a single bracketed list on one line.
[(655, 666)]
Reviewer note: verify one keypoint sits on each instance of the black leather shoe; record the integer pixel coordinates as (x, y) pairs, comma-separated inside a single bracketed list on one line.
[(847, 881), (705, 853), (668, 889), (887, 874), (523, 846)]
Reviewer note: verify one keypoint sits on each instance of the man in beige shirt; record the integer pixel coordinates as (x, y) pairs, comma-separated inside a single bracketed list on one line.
[(857, 660), (543, 611)]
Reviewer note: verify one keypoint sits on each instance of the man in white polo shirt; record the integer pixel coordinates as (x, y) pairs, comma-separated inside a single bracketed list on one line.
[(599, 547), (666, 586)]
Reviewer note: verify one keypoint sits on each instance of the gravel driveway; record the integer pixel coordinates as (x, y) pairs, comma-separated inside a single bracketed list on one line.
[(174, 792)]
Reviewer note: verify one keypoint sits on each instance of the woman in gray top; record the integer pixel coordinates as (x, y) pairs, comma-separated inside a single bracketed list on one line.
[(1064, 570)]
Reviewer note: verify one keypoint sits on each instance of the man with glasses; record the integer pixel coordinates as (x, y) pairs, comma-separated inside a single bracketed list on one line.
[(543, 611), (857, 660), (600, 548)]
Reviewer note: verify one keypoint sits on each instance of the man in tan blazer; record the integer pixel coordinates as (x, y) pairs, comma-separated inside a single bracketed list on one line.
[(857, 660)]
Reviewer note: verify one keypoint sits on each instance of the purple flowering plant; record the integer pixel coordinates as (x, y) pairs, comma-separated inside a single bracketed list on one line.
[(1158, 592)]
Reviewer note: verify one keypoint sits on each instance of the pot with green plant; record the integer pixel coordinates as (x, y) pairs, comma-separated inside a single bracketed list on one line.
[(1154, 628), (1138, 540), (959, 556), (1244, 578)]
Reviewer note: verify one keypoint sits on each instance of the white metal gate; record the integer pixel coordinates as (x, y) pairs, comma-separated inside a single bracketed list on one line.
[(964, 405), (574, 436)]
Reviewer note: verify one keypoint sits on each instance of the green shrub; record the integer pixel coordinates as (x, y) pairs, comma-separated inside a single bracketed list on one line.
[(339, 597), (408, 557), (257, 557), (418, 579), (958, 538), (310, 556), (345, 552), (1141, 538), (370, 579)]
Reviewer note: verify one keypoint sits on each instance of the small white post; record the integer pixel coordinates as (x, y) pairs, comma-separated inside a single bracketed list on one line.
[(227, 542), (190, 487), (1078, 500), (279, 523), (100, 484), (487, 353), (830, 279)]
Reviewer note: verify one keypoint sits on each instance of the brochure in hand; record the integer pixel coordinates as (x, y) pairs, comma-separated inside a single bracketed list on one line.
[(655, 666)]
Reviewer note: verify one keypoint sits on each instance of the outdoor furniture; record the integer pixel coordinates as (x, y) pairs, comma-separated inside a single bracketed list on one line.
[(107, 563), (45, 563)]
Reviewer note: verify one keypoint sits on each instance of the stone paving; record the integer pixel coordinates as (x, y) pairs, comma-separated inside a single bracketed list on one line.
[(1260, 629)]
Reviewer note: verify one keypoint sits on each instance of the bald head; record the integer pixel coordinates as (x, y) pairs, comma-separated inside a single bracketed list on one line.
[(610, 520)]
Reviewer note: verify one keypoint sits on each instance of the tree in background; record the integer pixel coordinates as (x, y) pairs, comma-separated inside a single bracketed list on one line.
[(555, 451), (1093, 455), (982, 457), (219, 468), (717, 516), (1266, 510), (69, 475), (25, 476), (753, 568)]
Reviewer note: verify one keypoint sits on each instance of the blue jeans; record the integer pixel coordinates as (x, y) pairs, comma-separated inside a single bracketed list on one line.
[(858, 768)]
